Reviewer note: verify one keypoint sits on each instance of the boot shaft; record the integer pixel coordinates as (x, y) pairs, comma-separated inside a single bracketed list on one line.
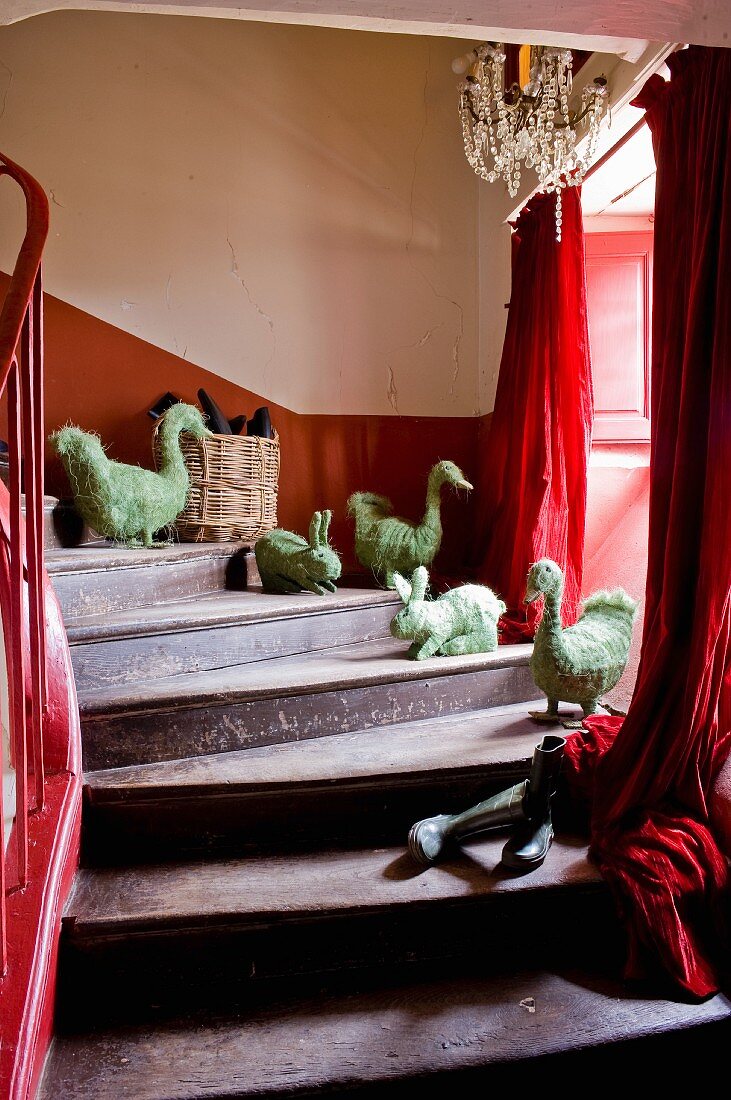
[(503, 808), (543, 777)]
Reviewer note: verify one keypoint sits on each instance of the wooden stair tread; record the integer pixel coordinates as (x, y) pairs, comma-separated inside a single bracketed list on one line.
[(380, 662), (379, 1037), (486, 740), (151, 935), (100, 555), (262, 889), (100, 577), (222, 608)]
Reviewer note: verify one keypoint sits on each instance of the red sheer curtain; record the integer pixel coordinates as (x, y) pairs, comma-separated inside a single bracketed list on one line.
[(652, 775), (531, 483)]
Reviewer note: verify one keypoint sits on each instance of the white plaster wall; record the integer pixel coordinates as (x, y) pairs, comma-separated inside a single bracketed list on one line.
[(494, 286), (289, 207)]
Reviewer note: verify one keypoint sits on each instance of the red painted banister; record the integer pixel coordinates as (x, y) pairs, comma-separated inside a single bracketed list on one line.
[(38, 859), (27, 266)]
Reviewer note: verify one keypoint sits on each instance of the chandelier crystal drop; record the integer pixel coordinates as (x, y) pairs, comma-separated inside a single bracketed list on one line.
[(530, 126)]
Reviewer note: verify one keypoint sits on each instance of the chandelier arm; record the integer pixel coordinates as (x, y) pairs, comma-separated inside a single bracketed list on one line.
[(494, 114), (573, 119), (475, 118)]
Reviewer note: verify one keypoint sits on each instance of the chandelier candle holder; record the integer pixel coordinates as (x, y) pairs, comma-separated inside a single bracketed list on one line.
[(530, 124)]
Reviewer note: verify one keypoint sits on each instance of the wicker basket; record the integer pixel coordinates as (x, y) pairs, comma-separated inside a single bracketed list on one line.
[(233, 486)]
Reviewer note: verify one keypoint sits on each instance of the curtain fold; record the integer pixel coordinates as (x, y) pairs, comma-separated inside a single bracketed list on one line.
[(531, 481), (649, 778)]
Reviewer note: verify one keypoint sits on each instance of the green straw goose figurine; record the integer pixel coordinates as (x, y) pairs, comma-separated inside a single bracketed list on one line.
[(388, 544), (128, 503), (579, 663)]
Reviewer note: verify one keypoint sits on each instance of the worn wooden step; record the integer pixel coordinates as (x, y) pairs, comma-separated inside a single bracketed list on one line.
[(528, 1027), (343, 789), (348, 688), (221, 629), (202, 929), (293, 888), (101, 577)]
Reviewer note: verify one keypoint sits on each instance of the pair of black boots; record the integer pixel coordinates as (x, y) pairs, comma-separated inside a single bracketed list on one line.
[(258, 424), (526, 805)]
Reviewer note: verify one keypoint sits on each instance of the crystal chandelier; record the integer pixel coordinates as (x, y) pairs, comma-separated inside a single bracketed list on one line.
[(528, 123)]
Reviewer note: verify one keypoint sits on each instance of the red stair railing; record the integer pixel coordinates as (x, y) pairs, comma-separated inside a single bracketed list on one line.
[(37, 860)]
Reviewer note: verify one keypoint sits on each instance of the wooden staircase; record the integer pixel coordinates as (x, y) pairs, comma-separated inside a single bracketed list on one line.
[(247, 921)]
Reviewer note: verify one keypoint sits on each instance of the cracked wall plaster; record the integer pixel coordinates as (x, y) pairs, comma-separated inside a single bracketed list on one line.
[(7, 80), (262, 313)]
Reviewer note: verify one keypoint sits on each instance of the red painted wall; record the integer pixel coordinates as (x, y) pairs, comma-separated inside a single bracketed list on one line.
[(104, 380)]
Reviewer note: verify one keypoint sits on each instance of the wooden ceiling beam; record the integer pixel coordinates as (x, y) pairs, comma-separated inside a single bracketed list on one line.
[(609, 26)]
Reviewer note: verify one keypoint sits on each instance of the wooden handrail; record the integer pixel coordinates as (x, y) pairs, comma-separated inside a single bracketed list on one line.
[(27, 265), (39, 858)]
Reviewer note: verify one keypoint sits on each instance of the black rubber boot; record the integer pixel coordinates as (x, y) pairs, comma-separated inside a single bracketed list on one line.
[(528, 846), (260, 424), (215, 419), (429, 838)]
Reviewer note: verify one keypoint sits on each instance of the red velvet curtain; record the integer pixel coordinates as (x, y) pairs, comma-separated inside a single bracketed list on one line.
[(531, 497), (652, 775)]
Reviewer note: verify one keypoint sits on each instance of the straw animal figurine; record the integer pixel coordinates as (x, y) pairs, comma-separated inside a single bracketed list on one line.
[(463, 620), (128, 503), (387, 543), (289, 563)]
